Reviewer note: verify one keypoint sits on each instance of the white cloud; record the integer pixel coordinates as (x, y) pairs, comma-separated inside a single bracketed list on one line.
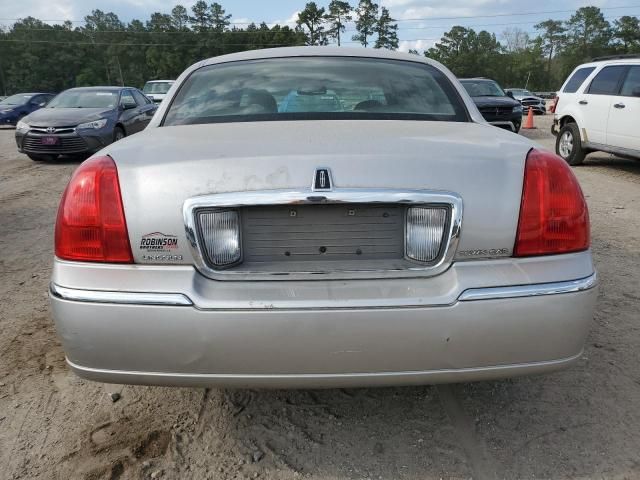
[(419, 45)]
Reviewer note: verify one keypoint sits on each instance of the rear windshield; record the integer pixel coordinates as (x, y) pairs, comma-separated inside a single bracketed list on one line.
[(577, 79), (315, 88), (157, 87), (85, 99)]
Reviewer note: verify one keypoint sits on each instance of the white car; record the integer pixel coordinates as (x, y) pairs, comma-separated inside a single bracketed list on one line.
[(321, 217), (156, 90), (598, 109)]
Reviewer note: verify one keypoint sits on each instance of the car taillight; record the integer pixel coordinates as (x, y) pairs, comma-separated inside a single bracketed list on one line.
[(554, 104), (91, 226), (553, 215)]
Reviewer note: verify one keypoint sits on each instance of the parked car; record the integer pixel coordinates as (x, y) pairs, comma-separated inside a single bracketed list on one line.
[(231, 244), (156, 90), (528, 100), (13, 108), (495, 105), (82, 121), (598, 109)]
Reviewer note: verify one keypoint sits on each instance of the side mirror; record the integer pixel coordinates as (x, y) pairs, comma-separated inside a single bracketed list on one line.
[(128, 106), (510, 94)]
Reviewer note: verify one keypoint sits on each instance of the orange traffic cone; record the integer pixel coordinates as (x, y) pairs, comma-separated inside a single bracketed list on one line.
[(529, 123)]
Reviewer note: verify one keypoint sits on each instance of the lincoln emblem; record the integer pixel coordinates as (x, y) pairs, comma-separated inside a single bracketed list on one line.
[(321, 180)]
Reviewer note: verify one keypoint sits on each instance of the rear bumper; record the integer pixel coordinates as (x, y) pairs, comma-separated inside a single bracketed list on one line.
[(163, 339)]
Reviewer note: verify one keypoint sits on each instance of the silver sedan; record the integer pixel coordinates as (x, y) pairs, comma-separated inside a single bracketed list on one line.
[(318, 217)]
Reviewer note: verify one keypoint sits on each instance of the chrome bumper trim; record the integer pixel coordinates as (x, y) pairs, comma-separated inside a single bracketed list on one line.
[(180, 300), (129, 298), (535, 290)]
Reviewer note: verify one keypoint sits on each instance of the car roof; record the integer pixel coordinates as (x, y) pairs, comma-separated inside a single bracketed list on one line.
[(613, 61), (160, 81), (477, 79), (108, 88), (287, 52)]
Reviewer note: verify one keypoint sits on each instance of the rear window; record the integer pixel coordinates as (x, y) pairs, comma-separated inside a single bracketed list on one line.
[(607, 81), (631, 86), (577, 79), (315, 88)]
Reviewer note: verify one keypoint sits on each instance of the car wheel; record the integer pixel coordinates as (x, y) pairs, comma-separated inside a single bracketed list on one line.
[(569, 145), (42, 157), (118, 134)]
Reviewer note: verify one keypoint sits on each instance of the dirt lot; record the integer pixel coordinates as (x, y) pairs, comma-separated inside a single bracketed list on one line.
[(580, 423)]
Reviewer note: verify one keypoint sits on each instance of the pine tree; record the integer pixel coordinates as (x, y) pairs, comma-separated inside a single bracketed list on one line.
[(339, 14), (387, 31), (366, 22)]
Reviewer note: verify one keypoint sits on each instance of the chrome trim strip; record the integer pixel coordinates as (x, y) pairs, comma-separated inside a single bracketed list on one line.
[(126, 298), (535, 290), (308, 197)]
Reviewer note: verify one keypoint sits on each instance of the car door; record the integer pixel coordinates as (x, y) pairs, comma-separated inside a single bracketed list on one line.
[(129, 112), (147, 108), (624, 115), (595, 102)]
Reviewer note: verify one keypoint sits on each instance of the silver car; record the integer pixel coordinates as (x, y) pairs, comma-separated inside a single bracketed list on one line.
[(528, 100), (390, 238)]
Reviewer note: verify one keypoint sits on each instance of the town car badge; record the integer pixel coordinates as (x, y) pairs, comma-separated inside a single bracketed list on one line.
[(322, 181)]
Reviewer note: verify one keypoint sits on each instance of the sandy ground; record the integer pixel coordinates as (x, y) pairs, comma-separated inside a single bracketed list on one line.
[(579, 423)]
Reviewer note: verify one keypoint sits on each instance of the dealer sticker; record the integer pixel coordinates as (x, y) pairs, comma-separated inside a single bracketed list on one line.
[(158, 242)]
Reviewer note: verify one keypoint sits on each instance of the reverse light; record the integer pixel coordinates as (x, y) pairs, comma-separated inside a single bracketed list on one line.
[(425, 232), (91, 225), (221, 233), (553, 214)]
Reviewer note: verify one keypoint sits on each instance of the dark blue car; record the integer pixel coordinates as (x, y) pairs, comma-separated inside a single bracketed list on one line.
[(81, 121), (13, 108)]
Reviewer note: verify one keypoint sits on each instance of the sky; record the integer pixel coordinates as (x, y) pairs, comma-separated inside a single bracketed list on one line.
[(421, 22)]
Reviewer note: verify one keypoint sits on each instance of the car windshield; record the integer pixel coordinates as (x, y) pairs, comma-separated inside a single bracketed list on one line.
[(483, 88), (19, 99), (85, 99), (156, 87), (315, 88)]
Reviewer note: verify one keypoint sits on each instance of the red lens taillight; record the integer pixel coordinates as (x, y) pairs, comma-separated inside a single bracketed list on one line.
[(91, 226), (554, 105), (553, 215)]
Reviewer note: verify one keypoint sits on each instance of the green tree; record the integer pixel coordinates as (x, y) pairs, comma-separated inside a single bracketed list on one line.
[(201, 18), (588, 33), (312, 19), (627, 31), (366, 21), (179, 17), (387, 31), (339, 14), (219, 19), (551, 39)]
